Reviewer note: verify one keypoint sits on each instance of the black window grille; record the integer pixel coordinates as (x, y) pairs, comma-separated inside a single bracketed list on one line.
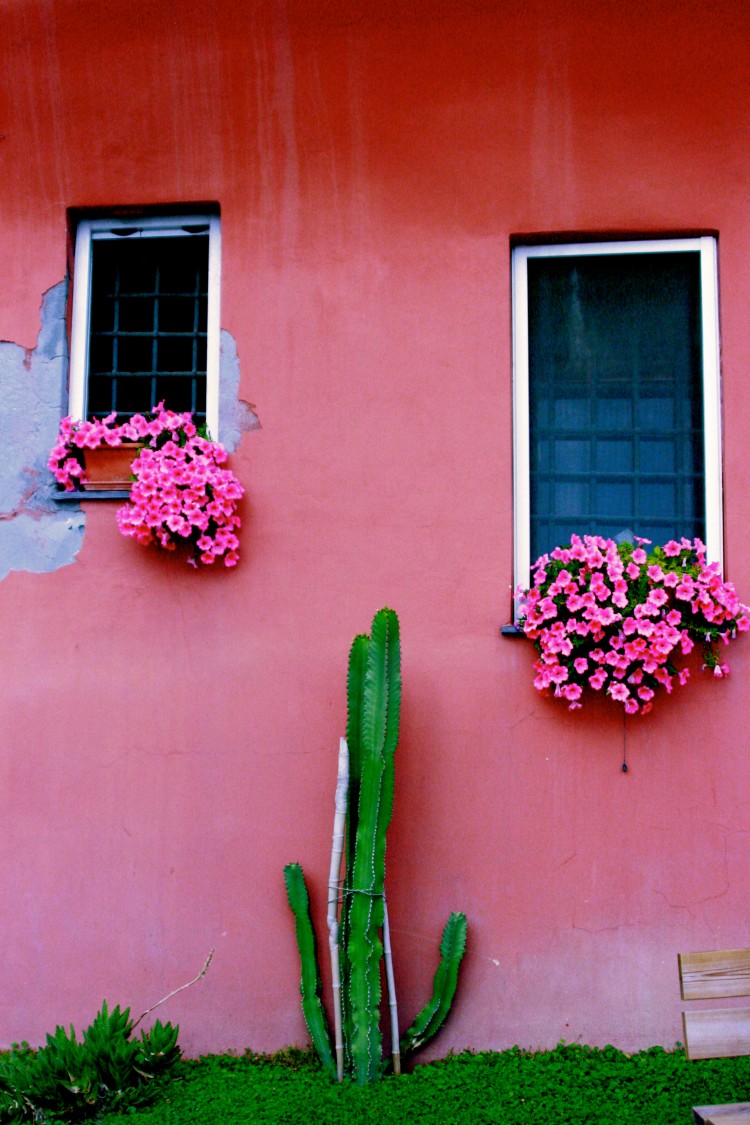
[(615, 397), (147, 341)]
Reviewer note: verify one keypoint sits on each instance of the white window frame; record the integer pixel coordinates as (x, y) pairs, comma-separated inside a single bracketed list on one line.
[(707, 248), (170, 226)]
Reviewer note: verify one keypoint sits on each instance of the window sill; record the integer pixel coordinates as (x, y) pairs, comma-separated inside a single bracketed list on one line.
[(511, 631), (85, 494)]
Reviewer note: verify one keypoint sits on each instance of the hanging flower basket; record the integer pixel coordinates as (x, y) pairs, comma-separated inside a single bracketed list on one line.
[(181, 492), (616, 618)]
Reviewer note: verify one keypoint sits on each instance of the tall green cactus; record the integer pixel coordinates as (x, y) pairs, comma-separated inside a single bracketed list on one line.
[(374, 703), (355, 683), (374, 699)]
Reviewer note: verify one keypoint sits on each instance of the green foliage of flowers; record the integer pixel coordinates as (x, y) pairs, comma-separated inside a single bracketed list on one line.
[(573, 1084), (615, 618), (72, 1080)]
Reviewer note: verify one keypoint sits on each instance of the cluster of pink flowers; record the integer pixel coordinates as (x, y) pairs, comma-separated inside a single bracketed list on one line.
[(66, 456), (612, 618), (182, 493)]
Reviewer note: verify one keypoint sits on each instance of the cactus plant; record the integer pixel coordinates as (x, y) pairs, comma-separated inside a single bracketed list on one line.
[(312, 1007), (432, 1016), (374, 698)]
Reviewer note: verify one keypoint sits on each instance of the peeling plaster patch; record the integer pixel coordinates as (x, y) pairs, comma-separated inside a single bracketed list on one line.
[(40, 544), (236, 417), (35, 533)]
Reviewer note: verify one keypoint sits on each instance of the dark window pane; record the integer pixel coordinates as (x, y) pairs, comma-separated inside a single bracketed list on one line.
[(656, 412), (135, 353), (615, 388), (103, 312), (148, 318), (572, 456), (200, 398), (175, 353), (614, 500), (614, 456), (614, 413), (572, 413), (659, 499), (100, 354), (179, 392), (571, 497), (540, 456), (137, 272), (657, 456), (136, 315), (135, 396), (101, 401), (184, 272), (177, 314)]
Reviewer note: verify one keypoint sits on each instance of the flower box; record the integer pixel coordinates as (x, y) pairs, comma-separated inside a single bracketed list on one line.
[(110, 467)]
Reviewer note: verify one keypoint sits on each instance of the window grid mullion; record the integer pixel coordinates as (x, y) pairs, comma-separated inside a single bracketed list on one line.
[(115, 339)]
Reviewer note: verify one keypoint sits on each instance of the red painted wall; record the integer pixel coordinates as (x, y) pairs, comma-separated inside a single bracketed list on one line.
[(170, 738)]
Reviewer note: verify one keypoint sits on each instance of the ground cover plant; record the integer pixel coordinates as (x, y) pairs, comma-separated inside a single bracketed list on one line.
[(575, 1084), (72, 1079)]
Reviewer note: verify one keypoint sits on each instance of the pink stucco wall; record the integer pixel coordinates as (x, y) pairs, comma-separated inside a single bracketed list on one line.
[(170, 738)]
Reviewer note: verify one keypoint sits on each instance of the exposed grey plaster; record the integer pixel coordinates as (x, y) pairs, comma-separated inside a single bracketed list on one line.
[(236, 416), (35, 533)]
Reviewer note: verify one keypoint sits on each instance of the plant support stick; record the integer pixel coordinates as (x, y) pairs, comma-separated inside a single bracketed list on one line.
[(391, 982), (337, 848)]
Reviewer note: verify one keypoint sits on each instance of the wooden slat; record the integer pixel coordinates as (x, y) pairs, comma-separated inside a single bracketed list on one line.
[(738, 1114), (717, 1034), (717, 973)]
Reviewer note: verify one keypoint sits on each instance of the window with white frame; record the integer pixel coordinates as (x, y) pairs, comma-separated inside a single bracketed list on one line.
[(616, 393), (145, 321)]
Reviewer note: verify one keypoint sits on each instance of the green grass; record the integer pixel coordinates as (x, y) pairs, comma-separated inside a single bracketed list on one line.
[(570, 1084)]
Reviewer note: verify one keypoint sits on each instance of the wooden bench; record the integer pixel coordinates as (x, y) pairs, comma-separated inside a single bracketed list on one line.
[(716, 1032)]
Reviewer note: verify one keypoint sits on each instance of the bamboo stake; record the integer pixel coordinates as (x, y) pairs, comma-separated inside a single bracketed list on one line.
[(334, 878), (391, 982)]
